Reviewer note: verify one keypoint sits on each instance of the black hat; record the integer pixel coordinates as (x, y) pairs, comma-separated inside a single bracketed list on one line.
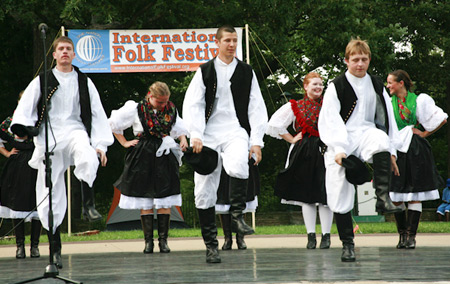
[(204, 162), (356, 171)]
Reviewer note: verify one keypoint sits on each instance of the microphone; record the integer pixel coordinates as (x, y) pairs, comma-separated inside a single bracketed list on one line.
[(43, 29)]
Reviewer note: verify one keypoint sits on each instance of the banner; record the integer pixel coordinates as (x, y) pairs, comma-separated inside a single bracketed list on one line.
[(122, 51)]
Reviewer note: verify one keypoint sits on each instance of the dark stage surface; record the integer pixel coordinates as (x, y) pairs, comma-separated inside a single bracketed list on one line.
[(285, 265)]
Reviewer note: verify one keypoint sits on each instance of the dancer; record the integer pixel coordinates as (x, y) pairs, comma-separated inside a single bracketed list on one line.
[(224, 110), (302, 182), (417, 117), (150, 178), (78, 128), (223, 204), (18, 189), (357, 119)]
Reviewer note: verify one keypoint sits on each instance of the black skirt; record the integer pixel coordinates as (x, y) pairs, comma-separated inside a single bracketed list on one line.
[(253, 188), (417, 168), (18, 183), (304, 178), (145, 175)]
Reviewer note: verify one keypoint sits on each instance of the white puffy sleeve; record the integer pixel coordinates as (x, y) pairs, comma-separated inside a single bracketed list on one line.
[(257, 114), (179, 128), (280, 121), (332, 129), (26, 111), (194, 106), (124, 117), (101, 136), (428, 114)]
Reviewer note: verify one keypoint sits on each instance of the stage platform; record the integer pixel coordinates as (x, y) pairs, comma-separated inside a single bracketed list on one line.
[(288, 263)]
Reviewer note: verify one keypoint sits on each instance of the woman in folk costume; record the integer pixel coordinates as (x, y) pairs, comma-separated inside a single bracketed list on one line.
[(302, 182), (150, 178), (18, 189), (419, 179)]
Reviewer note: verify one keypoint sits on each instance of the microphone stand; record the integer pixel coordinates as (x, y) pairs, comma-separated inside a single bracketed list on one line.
[(51, 271)]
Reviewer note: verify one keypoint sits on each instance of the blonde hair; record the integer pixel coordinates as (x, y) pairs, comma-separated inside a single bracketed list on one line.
[(159, 89), (357, 46)]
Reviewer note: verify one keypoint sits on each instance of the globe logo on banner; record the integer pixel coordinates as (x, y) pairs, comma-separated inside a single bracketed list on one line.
[(89, 48)]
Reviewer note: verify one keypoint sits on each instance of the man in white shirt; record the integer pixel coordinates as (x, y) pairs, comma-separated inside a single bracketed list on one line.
[(224, 110), (357, 119), (78, 132)]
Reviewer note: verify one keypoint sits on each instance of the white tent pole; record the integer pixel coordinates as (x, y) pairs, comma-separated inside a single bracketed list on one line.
[(69, 204), (247, 47)]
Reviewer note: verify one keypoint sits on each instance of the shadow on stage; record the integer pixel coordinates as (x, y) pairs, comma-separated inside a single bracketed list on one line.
[(427, 264)]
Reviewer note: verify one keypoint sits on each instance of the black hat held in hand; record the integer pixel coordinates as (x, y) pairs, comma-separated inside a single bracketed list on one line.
[(204, 162), (356, 171)]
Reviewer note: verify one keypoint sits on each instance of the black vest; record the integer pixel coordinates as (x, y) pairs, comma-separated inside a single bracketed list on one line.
[(241, 83), (348, 99), (52, 86)]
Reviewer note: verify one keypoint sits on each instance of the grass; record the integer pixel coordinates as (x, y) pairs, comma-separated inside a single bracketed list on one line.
[(364, 228)]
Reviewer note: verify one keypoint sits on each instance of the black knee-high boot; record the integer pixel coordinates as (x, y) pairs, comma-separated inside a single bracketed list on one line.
[(147, 228), (35, 235), (344, 225), (240, 241), (87, 197), (238, 196), (400, 220), (19, 225), (207, 219), (163, 232), (382, 181), (413, 225), (56, 246), (225, 219)]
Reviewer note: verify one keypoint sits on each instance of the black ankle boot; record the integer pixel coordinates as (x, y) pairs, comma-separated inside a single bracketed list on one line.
[(312, 242), (225, 219), (87, 198), (147, 228), (238, 196), (348, 252), (207, 218), (382, 181), (400, 220), (240, 241), (325, 242), (20, 237), (56, 247), (344, 225), (35, 235), (163, 232), (413, 225)]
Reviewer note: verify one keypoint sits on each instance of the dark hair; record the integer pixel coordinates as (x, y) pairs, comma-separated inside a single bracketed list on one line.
[(402, 75), (222, 29)]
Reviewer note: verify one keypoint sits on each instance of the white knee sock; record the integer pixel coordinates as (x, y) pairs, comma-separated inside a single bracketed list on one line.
[(326, 218), (309, 217), (415, 206)]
